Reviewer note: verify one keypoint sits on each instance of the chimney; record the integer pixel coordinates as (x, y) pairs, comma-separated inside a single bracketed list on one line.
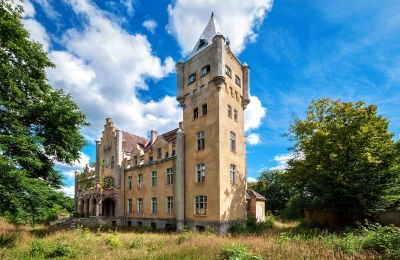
[(153, 136), (181, 125)]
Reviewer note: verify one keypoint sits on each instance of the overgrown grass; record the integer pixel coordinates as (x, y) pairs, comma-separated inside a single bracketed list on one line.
[(278, 241)]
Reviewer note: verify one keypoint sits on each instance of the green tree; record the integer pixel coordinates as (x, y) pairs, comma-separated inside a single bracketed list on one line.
[(271, 185), (38, 125), (345, 159)]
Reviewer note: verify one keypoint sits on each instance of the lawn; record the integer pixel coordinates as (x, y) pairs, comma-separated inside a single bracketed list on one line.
[(283, 241)]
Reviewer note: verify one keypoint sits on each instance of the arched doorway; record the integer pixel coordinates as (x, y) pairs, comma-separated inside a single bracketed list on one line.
[(108, 207), (87, 202)]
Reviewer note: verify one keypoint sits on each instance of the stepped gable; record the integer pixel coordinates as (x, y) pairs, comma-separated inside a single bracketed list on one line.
[(129, 141)]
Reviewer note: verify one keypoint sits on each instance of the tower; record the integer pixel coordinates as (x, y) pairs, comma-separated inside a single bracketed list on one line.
[(213, 89)]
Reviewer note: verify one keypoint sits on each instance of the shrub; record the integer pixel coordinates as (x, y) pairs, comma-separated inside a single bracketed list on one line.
[(136, 244), (269, 221), (238, 252), (8, 240), (114, 242), (236, 228), (60, 250), (182, 238), (37, 248), (294, 208), (382, 239)]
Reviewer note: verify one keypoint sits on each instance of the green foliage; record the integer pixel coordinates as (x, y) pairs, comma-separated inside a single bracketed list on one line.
[(184, 236), (37, 248), (345, 159), (85, 181), (382, 239), (252, 226), (60, 250), (8, 240), (271, 184), (238, 252), (108, 182), (136, 244), (38, 126), (269, 221), (114, 242), (294, 208)]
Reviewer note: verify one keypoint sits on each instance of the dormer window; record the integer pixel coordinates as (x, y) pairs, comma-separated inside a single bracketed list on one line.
[(192, 78), (202, 43), (205, 70), (237, 80), (228, 71)]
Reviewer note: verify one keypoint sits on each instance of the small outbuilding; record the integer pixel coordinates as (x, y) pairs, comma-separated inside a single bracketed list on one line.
[(255, 203)]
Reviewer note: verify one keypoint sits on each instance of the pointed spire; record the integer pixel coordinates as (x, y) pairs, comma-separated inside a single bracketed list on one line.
[(206, 37)]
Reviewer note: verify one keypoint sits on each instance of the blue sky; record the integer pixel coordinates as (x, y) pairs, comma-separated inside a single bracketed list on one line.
[(116, 58)]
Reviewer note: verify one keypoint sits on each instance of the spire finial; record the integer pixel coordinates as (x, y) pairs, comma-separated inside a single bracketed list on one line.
[(212, 14)]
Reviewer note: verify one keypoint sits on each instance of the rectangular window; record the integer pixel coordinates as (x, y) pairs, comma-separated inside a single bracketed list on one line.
[(232, 139), (233, 173), (205, 70), (237, 80), (228, 71), (159, 154), (235, 115), (135, 160), (154, 179), (169, 176), (150, 159), (130, 206), (200, 141), (204, 108), (154, 205), (195, 113), (140, 181), (229, 111), (173, 152), (140, 206), (192, 78), (129, 182), (170, 205), (200, 173), (166, 154), (201, 205)]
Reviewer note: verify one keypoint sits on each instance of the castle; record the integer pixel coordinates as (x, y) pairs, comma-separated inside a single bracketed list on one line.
[(193, 175)]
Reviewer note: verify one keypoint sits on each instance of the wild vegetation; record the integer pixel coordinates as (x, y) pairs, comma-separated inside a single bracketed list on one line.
[(281, 241)]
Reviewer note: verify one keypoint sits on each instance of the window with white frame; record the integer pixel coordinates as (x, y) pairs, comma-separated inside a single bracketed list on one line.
[(233, 173), (170, 204), (201, 205), (200, 140), (140, 206), (129, 182), (140, 181), (154, 205), (129, 205), (169, 176), (200, 173), (232, 141), (153, 179)]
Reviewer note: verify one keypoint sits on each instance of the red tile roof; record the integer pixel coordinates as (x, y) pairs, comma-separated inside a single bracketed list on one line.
[(169, 137), (129, 141)]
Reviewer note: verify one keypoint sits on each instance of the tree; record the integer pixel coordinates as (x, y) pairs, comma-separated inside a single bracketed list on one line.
[(345, 159), (271, 185), (38, 125)]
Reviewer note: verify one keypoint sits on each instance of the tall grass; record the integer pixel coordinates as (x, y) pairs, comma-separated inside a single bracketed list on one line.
[(275, 243)]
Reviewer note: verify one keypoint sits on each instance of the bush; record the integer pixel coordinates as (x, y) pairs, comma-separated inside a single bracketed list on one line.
[(60, 250), (236, 228), (294, 209), (238, 252), (182, 238), (114, 242), (136, 244), (382, 239), (269, 221), (37, 248), (8, 240)]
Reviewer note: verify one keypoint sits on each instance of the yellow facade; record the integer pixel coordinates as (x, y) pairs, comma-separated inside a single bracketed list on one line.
[(206, 154)]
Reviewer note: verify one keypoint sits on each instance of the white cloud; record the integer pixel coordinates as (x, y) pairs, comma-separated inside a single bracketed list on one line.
[(281, 160), (150, 25), (253, 139), (238, 20), (253, 114), (68, 171), (37, 32), (129, 6), (29, 10), (103, 66), (251, 179), (69, 191)]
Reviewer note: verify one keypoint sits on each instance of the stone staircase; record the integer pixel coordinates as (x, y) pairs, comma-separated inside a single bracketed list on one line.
[(64, 223)]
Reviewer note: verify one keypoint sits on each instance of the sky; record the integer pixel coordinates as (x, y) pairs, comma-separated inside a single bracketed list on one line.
[(117, 59)]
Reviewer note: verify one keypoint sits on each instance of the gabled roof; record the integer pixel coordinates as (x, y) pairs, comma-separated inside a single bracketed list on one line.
[(253, 193), (169, 137), (129, 141), (206, 37)]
